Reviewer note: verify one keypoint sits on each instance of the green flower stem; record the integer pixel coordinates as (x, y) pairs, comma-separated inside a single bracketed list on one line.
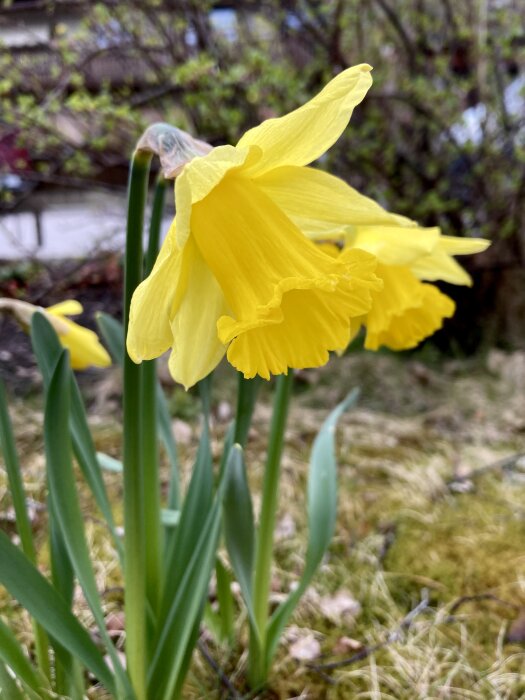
[(134, 529), (23, 524), (246, 398), (155, 224), (261, 585), (150, 447)]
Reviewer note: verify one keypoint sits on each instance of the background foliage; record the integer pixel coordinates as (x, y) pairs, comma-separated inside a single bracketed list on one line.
[(78, 102)]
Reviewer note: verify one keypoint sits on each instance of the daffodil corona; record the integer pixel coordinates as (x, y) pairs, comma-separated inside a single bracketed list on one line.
[(83, 344), (235, 274)]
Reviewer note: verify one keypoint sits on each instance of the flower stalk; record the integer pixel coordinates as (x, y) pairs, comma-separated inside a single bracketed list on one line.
[(258, 670), (134, 481), (152, 507)]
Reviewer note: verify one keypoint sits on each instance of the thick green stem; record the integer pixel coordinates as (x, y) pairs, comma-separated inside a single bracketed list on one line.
[(263, 564), (246, 398), (150, 448), (135, 542)]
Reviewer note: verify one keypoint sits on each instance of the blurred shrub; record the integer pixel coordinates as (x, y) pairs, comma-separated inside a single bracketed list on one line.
[(440, 137)]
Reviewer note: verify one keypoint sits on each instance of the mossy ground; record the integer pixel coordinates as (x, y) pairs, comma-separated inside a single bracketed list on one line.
[(404, 532)]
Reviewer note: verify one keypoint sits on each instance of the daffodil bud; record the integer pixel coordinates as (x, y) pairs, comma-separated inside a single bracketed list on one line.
[(174, 147)]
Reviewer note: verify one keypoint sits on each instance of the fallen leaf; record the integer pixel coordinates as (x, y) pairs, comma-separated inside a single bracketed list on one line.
[(346, 645), (339, 607), (182, 432), (305, 648)]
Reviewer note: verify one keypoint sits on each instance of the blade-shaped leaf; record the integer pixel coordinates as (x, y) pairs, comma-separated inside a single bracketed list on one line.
[(322, 510), (47, 349), (188, 602), (110, 464), (170, 446), (8, 686), (66, 507), (27, 585), (113, 333), (14, 475), (225, 616), (12, 654), (238, 526), (180, 542)]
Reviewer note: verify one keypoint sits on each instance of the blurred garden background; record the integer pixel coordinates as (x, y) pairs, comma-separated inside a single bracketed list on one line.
[(428, 564)]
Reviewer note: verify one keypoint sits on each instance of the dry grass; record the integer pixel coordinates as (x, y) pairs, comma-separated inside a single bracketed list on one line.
[(402, 532)]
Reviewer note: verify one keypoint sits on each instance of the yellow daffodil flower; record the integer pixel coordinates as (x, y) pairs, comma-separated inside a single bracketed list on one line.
[(237, 274), (407, 309), (83, 344)]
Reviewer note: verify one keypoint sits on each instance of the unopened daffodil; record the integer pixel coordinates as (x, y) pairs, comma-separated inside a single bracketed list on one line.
[(236, 274), (83, 344)]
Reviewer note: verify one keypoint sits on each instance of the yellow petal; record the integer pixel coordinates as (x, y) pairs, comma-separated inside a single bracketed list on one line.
[(199, 178), (272, 276), (84, 346), (197, 349), (70, 307), (395, 245), (306, 133), (321, 205), (405, 311), (440, 266), (463, 246), (155, 302)]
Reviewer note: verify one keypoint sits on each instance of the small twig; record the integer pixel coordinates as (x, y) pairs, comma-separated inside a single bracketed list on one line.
[(392, 637), (505, 464), (218, 670), (389, 537), (480, 596)]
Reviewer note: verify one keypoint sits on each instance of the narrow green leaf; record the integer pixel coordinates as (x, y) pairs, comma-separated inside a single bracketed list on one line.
[(27, 585), (238, 526), (225, 618), (8, 687), (47, 349), (12, 654), (66, 507), (14, 476), (113, 333), (322, 510), (63, 579), (108, 463), (170, 518), (180, 543), (178, 631), (23, 524), (170, 446)]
